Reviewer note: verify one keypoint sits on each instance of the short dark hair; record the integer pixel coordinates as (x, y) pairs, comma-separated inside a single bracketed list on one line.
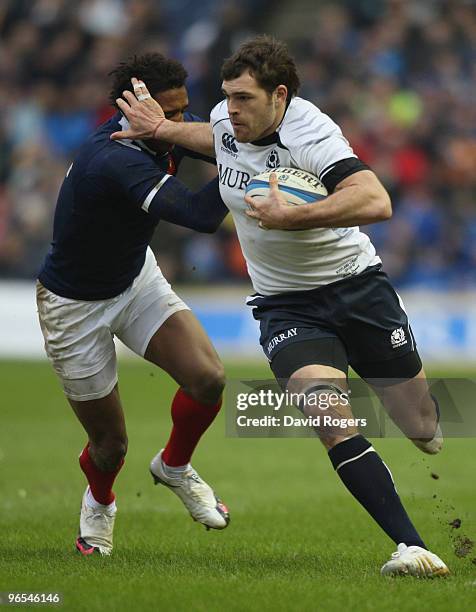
[(268, 61), (158, 73)]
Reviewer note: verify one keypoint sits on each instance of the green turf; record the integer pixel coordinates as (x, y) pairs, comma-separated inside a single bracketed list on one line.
[(297, 540)]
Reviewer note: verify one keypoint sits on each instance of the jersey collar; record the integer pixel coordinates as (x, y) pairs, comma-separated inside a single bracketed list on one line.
[(274, 137), (136, 144)]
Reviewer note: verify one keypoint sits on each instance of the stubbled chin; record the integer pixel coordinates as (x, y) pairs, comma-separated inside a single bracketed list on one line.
[(241, 135)]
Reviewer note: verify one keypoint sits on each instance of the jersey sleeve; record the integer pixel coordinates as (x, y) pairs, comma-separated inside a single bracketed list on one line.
[(137, 179), (315, 142), (337, 172), (134, 174), (202, 211)]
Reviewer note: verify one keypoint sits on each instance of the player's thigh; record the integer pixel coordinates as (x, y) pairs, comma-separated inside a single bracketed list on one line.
[(296, 330), (324, 354), (376, 330), (79, 344), (158, 325), (412, 392), (409, 403), (382, 350), (320, 362), (317, 371), (182, 348)]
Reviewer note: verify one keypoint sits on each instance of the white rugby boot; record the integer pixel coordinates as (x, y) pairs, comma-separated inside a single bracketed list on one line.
[(96, 526), (197, 496), (414, 561)]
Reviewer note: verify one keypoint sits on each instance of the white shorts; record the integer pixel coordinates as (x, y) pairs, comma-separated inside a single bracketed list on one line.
[(79, 334)]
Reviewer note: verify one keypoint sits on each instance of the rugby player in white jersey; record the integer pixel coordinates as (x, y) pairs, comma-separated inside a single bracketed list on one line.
[(100, 280), (323, 279)]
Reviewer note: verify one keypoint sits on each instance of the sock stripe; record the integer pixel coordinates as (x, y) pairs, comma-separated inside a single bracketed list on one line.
[(390, 474), (388, 470), (347, 449), (370, 481), (370, 449)]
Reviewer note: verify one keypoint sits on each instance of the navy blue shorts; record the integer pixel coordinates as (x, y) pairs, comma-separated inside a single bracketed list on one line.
[(358, 321)]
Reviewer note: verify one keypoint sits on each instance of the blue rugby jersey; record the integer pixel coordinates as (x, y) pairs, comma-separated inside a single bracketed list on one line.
[(109, 204)]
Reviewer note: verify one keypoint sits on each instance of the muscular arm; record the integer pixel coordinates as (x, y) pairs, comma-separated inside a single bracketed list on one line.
[(358, 199), (147, 121), (190, 135)]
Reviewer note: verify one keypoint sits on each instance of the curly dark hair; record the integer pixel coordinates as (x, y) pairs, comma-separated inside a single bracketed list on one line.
[(158, 73), (268, 61)]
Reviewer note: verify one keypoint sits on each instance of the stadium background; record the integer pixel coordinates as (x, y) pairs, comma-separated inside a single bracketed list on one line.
[(398, 76)]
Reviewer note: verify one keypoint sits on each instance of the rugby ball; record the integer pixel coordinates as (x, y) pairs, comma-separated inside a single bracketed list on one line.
[(297, 186)]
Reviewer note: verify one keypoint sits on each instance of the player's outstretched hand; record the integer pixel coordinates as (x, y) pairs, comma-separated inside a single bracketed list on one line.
[(145, 115), (272, 211)]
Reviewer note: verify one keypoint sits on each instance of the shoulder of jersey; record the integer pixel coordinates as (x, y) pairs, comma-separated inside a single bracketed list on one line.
[(302, 118), (188, 116), (114, 148), (109, 155), (219, 114)]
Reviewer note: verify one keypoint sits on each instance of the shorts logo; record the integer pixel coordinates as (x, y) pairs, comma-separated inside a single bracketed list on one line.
[(229, 144), (272, 161), (397, 338), (290, 333)]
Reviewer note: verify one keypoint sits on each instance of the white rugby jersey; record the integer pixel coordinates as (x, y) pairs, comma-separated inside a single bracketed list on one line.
[(281, 261)]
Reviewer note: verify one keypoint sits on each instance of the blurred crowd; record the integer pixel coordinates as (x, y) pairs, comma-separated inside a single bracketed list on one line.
[(397, 75)]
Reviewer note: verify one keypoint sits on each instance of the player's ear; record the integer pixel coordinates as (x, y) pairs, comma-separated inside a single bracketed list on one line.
[(281, 92)]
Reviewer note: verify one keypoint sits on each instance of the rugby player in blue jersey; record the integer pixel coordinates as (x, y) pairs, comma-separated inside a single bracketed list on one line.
[(100, 280)]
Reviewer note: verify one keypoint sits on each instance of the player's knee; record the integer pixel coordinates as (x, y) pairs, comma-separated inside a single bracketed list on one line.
[(329, 408), (109, 451), (325, 399), (209, 384)]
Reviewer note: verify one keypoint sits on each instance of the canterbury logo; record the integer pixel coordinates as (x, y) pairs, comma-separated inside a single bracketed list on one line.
[(228, 142)]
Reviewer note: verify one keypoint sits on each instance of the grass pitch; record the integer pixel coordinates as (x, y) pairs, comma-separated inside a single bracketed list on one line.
[(297, 540)]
